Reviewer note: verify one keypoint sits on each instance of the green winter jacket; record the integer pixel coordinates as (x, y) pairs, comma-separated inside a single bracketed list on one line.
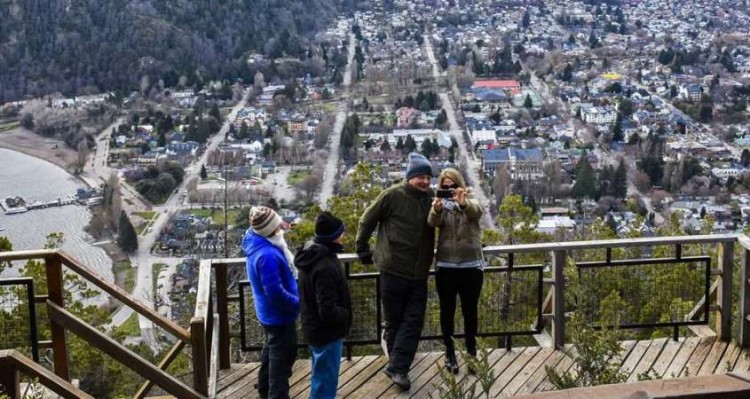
[(405, 243)]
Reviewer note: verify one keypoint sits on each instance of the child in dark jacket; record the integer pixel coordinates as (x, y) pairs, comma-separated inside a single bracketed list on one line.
[(325, 302)]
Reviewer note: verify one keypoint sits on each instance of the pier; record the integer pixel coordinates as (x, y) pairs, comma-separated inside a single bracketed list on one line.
[(14, 205)]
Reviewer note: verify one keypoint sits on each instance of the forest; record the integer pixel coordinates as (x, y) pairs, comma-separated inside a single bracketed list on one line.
[(81, 47)]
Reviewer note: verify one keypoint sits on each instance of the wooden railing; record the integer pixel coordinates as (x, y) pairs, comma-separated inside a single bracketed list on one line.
[(13, 364), (210, 336), (719, 298), (62, 321)]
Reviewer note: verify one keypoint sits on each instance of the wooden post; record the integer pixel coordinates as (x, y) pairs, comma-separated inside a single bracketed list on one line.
[(222, 308), (724, 293), (200, 352), (59, 339), (10, 379), (745, 296), (558, 299)]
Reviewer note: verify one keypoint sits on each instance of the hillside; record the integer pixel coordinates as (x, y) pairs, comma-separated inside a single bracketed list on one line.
[(79, 46)]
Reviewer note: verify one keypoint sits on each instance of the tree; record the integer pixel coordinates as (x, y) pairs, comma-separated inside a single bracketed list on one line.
[(620, 181), (527, 103), (409, 144), (385, 146), (585, 185), (567, 74), (82, 155), (162, 141), (27, 121), (526, 21), (593, 41), (745, 157), (204, 174), (127, 238), (617, 134)]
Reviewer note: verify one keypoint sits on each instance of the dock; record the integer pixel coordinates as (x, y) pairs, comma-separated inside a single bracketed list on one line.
[(15, 205)]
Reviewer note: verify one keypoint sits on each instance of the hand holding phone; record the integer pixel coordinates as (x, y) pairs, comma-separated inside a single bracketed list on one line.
[(445, 193)]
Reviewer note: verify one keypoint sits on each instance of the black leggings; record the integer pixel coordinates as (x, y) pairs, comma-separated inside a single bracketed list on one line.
[(467, 284)]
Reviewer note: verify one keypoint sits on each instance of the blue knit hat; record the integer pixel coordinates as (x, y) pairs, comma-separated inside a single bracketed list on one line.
[(418, 165)]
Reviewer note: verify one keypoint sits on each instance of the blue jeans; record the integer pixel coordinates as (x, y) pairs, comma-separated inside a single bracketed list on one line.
[(326, 362), (276, 361)]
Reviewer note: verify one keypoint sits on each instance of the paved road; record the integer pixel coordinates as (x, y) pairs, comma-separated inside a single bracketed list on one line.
[(473, 165), (143, 260), (331, 171)]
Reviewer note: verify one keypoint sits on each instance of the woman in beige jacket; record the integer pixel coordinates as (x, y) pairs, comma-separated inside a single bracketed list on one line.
[(459, 260)]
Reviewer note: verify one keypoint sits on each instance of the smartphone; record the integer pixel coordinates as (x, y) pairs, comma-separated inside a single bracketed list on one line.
[(442, 193)]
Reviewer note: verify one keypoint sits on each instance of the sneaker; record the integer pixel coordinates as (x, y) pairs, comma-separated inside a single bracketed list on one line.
[(384, 345), (451, 364), (401, 380)]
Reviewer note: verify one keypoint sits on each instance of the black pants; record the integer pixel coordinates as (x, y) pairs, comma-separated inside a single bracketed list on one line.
[(404, 305), (276, 361), (467, 284)]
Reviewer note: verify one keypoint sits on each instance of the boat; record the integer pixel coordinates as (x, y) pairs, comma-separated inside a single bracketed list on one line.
[(13, 211)]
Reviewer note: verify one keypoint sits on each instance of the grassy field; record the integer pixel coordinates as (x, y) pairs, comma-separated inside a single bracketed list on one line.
[(297, 177), (9, 126), (130, 327), (140, 229), (124, 275), (216, 214), (147, 215)]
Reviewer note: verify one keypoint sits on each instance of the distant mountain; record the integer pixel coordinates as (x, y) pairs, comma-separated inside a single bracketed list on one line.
[(75, 46)]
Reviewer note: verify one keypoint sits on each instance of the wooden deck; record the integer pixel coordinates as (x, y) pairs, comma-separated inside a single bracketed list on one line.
[(518, 371)]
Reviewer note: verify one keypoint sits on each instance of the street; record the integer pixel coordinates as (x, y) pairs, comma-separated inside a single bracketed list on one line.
[(331, 171), (143, 260), (473, 166)]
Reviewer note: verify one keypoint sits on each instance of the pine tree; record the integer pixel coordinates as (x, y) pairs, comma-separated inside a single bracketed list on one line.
[(585, 185), (617, 134), (204, 174), (410, 145), (127, 238), (162, 141), (527, 103), (620, 181)]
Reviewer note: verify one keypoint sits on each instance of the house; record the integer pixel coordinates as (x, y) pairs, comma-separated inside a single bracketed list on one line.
[(513, 86), (598, 115), (522, 163), (406, 116), (691, 92), (552, 224), (188, 148)]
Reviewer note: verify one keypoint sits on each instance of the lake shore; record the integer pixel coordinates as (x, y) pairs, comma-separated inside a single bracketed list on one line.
[(45, 148)]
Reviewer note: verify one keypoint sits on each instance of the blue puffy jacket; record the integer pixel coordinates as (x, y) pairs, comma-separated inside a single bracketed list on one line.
[(274, 288)]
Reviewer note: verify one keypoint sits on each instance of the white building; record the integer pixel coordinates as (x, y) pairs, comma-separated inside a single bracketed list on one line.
[(598, 115)]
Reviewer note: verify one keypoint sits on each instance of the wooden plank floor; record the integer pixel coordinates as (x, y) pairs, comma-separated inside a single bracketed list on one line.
[(520, 370)]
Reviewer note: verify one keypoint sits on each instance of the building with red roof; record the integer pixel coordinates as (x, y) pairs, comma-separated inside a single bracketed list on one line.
[(513, 86)]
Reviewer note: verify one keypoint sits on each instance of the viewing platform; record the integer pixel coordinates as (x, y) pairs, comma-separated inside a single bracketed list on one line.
[(518, 371), (681, 302)]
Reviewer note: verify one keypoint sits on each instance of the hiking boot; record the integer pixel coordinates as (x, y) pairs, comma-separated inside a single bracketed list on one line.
[(400, 379), (451, 364)]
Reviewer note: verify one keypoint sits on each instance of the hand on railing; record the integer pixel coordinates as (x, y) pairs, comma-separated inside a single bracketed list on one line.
[(365, 257)]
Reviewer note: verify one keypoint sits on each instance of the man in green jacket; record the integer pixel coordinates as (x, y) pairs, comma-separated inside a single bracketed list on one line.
[(403, 252)]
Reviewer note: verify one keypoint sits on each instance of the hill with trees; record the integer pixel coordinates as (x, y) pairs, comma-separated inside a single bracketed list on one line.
[(81, 46)]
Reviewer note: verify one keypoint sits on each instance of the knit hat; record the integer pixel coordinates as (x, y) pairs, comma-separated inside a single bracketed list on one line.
[(328, 227), (264, 221), (418, 165)]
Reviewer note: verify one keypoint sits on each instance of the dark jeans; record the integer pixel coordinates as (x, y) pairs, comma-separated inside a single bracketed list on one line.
[(404, 305), (467, 284), (276, 361)]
